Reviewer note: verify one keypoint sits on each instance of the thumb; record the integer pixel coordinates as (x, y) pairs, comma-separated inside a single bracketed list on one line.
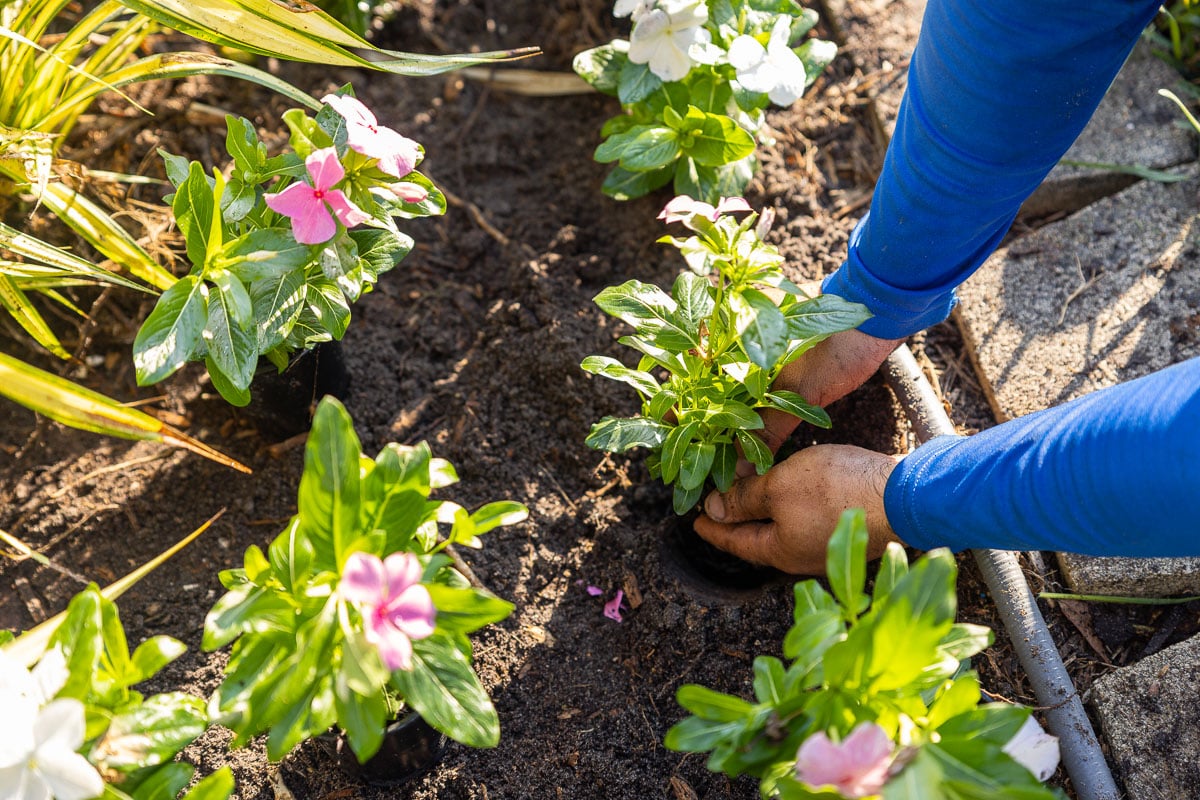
[(747, 499)]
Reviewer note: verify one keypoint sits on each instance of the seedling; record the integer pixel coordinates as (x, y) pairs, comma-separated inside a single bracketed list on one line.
[(711, 350)]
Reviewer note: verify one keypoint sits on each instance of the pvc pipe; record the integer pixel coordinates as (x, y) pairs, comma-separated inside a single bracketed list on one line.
[(1065, 715)]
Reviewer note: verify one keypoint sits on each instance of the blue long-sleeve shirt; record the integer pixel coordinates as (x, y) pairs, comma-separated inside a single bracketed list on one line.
[(997, 92)]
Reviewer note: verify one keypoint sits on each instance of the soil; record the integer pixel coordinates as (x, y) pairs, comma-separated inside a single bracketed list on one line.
[(473, 344)]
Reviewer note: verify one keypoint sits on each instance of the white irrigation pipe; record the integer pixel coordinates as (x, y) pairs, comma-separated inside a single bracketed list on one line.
[(1065, 715)]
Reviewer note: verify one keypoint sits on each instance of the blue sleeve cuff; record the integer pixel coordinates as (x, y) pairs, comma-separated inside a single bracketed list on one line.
[(899, 497), (898, 312)]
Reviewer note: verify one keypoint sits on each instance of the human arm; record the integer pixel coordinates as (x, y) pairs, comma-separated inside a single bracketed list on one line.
[(1113, 473)]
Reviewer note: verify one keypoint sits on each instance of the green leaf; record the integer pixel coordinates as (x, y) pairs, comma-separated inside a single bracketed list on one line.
[(960, 697), (497, 514), (651, 311), (444, 689), (769, 680), (172, 333), (363, 717), (673, 449), (696, 735), (797, 406), (234, 291), (693, 297), (151, 656), (651, 150), (684, 500), (195, 207), (394, 494), (761, 327), (262, 253), (233, 393), (165, 782), (732, 414), (755, 450), (217, 786), (330, 485), (636, 82), (381, 250), (716, 139), (643, 382), (713, 706), (466, 609), (823, 315), (232, 346), (892, 567), (846, 561), (150, 733), (618, 434), (624, 184), (965, 640), (920, 780), (697, 461), (327, 302), (724, 466), (601, 67), (912, 621), (613, 148), (276, 305)]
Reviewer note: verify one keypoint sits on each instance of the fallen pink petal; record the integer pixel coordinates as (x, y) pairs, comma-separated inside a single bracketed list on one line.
[(612, 609), (594, 591)]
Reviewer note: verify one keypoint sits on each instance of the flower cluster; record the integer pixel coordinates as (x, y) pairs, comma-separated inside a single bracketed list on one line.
[(282, 246), (877, 699), (694, 79)]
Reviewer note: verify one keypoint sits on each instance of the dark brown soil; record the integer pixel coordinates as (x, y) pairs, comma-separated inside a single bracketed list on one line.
[(474, 345)]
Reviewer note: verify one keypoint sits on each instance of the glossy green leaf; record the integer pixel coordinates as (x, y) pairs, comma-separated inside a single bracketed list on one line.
[(172, 332), (261, 254), (710, 705), (394, 494), (846, 561), (797, 406), (608, 367), (697, 461), (218, 785), (363, 718), (277, 304), (466, 609), (823, 315), (613, 148), (165, 782), (761, 327), (618, 434), (497, 514), (651, 149), (601, 67), (444, 689), (684, 500), (755, 450), (724, 467), (624, 184), (330, 485), (965, 640), (693, 297), (150, 733), (650, 310), (151, 656), (717, 140), (912, 621), (892, 567), (232, 346), (674, 447), (636, 82)]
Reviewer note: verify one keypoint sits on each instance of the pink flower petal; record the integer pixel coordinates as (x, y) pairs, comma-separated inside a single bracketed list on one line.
[(345, 210), (403, 571), (394, 647), (680, 208), (612, 609), (351, 109), (325, 168), (364, 579), (409, 192), (594, 591), (311, 220), (412, 612), (728, 204), (855, 767)]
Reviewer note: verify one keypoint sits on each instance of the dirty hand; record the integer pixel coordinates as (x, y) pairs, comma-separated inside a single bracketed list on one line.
[(784, 518), (827, 372)]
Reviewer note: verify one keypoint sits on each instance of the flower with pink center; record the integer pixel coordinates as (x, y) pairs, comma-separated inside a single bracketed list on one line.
[(308, 205), (683, 208), (857, 766), (396, 608), (397, 155)]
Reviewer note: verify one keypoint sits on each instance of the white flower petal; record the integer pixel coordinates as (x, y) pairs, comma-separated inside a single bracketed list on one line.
[(623, 8), (14, 677), (60, 723), (781, 34), (1034, 749), (50, 675), (16, 734), (22, 783), (68, 774), (670, 63), (745, 52)]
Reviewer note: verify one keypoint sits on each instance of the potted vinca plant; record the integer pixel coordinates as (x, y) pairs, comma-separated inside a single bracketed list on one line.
[(75, 727), (694, 80), (711, 350), (355, 617), (876, 698), (282, 245)]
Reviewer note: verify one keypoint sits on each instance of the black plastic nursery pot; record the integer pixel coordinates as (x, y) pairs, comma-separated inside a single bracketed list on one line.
[(411, 747), (282, 403), (708, 572)]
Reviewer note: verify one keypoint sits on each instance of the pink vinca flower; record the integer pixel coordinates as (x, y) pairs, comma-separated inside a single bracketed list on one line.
[(308, 205), (683, 208), (395, 606), (397, 155), (855, 767)]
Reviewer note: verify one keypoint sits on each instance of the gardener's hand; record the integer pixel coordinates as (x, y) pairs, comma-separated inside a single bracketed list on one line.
[(784, 518), (827, 372)]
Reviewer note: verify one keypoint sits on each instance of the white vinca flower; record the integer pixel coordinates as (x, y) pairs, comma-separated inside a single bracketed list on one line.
[(632, 8), (1034, 749), (40, 736), (666, 36), (775, 69)]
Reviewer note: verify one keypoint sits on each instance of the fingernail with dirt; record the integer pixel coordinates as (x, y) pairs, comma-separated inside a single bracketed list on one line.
[(714, 506)]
